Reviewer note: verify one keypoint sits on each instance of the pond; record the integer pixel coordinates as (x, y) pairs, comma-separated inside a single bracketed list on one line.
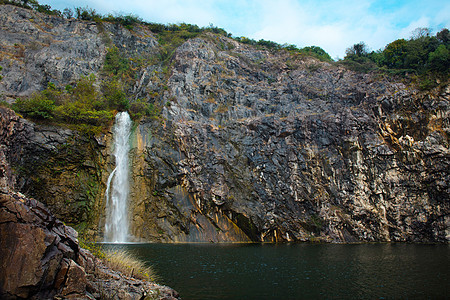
[(300, 271)]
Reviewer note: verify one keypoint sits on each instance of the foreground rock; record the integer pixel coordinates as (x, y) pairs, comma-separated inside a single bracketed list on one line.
[(40, 257)]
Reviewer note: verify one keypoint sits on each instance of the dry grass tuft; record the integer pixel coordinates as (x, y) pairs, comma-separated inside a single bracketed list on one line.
[(127, 264)]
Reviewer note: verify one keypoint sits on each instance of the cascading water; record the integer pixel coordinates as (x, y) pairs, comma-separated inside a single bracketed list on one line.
[(117, 188)]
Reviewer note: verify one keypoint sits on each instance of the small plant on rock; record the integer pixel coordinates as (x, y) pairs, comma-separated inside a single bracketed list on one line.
[(127, 264)]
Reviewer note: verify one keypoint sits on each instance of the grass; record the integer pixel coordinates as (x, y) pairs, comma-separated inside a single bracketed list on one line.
[(128, 265)]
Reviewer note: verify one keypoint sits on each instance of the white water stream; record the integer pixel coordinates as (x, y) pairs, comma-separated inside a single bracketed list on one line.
[(117, 188)]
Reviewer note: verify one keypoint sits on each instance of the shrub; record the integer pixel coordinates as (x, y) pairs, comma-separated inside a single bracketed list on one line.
[(440, 59), (82, 107), (87, 14), (35, 107), (95, 249), (85, 90), (115, 96), (77, 112), (313, 51), (128, 21), (115, 64), (141, 108)]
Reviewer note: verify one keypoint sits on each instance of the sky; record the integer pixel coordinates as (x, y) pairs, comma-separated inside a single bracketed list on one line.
[(330, 24)]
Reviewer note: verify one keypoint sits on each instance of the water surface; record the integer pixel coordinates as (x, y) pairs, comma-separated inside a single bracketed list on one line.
[(300, 271)]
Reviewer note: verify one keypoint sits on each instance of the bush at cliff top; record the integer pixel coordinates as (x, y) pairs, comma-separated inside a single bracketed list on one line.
[(423, 57)]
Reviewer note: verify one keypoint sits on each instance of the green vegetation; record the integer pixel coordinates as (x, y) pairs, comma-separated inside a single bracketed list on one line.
[(35, 107), (423, 56), (115, 64), (115, 96), (34, 5), (141, 108), (169, 36), (94, 248), (84, 107), (314, 51), (119, 74), (81, 107)]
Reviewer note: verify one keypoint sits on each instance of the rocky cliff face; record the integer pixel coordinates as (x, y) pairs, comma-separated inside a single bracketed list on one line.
[(56, 165), (254, 145), (36, 49), (295, 149), (40, 257)]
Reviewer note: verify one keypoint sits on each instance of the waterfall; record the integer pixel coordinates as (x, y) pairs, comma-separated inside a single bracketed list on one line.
[(117, 187)]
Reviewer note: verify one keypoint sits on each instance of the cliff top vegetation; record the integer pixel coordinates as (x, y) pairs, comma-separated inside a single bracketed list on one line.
[(424, 57)]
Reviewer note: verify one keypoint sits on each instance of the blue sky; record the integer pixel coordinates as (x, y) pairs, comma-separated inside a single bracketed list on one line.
[(331, 24)]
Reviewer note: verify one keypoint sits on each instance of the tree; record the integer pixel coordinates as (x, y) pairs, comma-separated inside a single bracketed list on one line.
[(317, 52), (420, 32), (358, 50), (439, 60), (395, 53), (68, 13), (443, 36)]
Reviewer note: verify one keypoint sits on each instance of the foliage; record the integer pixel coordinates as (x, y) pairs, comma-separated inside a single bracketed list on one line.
[(439, 59), (78, 112), (3, 103), (423, 55), (394, 54), (87, 14), (116, 65), (316, 52), (357, 50), (82, 106), (34, 5), (169, 36), (67, 13), (94, 248), (46, 9), (127, 21), (115, 96), (172, 36), (36, 107), (141, 108)]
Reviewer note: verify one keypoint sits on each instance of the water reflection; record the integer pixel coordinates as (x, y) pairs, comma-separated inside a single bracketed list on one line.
[(300, 271)]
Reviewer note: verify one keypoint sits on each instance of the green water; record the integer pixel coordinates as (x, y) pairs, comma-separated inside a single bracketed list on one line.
[(300, 271)]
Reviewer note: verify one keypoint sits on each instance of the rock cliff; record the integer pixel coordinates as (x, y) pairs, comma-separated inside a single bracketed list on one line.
[(40, 257), (251, 145)]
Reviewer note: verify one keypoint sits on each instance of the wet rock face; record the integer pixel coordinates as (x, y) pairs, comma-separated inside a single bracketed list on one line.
[(53, 164)]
